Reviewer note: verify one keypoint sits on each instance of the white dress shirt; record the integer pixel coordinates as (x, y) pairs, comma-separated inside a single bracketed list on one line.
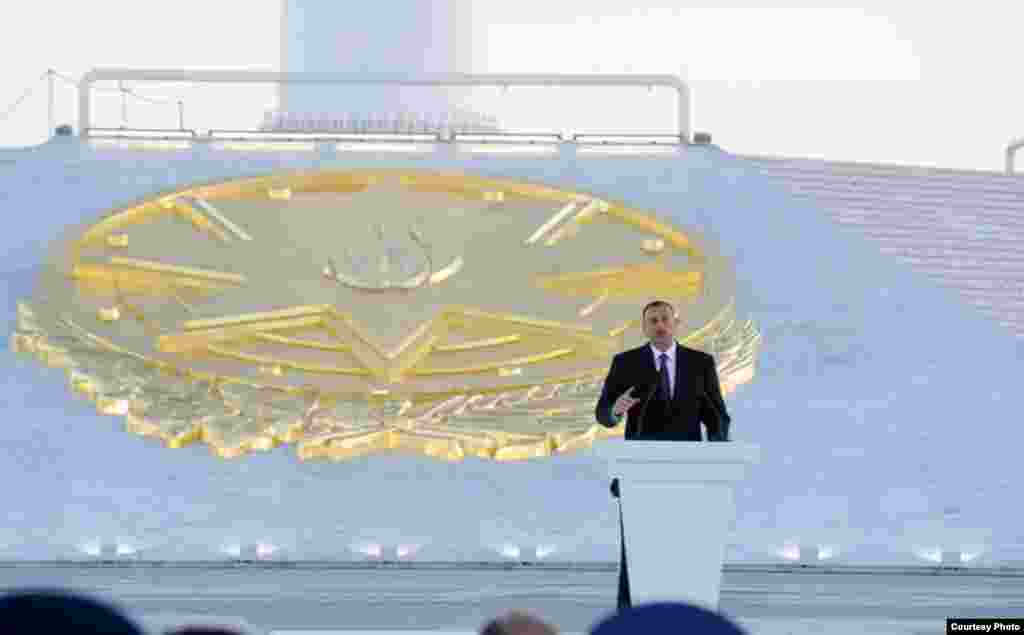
[(671, 362)]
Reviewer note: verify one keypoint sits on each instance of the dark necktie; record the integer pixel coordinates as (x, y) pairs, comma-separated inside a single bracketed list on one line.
[(663, 371)]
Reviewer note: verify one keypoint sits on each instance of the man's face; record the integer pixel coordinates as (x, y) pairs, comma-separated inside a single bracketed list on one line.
[(660, 325)]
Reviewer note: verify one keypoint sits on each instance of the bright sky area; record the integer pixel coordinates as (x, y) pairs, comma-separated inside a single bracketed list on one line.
[(934, 84)]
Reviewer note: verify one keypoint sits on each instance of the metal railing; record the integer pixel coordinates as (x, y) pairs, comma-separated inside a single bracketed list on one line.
[(309, 141), (319, 135), (508, 137), (550, 143), (631, 138), (1011, 150), (363, 79), (140, 133)]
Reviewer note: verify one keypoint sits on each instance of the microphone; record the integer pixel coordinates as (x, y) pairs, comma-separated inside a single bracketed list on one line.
[(723, 424), (651, 389), (640, 426)]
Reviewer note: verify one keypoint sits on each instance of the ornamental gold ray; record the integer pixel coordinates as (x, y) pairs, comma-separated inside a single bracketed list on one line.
[(355, 312)]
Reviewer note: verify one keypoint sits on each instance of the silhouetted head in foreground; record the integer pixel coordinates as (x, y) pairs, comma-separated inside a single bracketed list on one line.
[(54, 611), (518, 623), (666, 617)]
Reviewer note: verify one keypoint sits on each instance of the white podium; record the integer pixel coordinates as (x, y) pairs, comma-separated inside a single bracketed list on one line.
[(677, 509)]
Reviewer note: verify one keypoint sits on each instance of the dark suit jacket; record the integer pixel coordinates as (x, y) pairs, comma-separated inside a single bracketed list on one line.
[(697, 398)]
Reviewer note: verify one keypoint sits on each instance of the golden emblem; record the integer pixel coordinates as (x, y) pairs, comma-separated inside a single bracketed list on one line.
[(370, 310)]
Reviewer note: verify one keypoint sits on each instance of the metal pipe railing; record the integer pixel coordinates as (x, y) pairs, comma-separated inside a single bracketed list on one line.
[(146, 133), (681, 88), (302, 135), (1011, 150), (51, 120), (634, 138)]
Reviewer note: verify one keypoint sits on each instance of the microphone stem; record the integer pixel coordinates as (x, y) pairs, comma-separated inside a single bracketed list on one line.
[(718, 414), (643, 412)]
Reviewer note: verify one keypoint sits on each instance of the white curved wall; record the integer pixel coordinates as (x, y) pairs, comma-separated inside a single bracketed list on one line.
[(885, 407)]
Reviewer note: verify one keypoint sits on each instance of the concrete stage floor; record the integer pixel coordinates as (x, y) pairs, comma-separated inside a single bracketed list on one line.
[(265, 597)]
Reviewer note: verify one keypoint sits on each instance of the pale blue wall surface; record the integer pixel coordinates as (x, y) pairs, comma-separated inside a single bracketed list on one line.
[(886, 409)]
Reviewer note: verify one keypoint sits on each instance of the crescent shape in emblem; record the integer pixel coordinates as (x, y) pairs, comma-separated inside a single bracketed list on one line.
[(423, 278)]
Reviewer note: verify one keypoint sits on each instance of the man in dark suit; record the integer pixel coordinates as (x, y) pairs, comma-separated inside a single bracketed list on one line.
[(666, 390)]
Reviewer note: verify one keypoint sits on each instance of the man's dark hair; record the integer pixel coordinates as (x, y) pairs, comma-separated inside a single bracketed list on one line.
[(60, 611), (514, 623), (494, 627), (654, 305)]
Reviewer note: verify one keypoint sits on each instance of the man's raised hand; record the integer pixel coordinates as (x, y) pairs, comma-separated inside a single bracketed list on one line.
[(624, 402)]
